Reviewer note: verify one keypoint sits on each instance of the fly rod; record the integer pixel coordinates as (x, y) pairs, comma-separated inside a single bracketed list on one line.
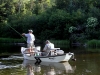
[(16, 32)]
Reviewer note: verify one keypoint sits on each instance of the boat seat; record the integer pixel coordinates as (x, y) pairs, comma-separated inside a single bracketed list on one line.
[(53, 51), (38, 48), (57, 52)]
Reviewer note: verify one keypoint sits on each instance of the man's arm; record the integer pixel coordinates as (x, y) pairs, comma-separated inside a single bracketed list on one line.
[(45, 48), (23, 34)]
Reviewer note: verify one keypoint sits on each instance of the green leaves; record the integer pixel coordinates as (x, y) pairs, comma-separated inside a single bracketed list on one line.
[(92, 22), (72, 29)]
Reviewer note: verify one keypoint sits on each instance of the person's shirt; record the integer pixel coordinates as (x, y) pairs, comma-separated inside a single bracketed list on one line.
[(48, 46), (30, 38)]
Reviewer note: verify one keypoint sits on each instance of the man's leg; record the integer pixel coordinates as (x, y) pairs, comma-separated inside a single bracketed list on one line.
[(29, 48), (32, 47)]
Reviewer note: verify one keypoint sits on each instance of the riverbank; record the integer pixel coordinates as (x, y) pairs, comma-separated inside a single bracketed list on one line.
[(6, 44), (6, 55)]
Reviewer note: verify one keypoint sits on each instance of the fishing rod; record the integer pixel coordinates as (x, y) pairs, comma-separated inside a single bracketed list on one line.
[(16, 32)]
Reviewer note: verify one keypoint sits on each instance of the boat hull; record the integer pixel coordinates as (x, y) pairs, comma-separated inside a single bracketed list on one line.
[(58, 58), (55, 58)]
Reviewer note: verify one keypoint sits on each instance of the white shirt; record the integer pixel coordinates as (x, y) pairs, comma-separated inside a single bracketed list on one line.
[(30, 38), (49, 46)]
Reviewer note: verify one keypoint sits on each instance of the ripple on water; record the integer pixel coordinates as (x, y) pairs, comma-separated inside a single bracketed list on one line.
[(10, 62)]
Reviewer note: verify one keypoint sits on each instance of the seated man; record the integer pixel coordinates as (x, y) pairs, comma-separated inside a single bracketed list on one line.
[(48, 48)]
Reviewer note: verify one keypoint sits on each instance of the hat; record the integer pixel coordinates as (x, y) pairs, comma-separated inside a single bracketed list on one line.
[(30, 30), (47, 41)]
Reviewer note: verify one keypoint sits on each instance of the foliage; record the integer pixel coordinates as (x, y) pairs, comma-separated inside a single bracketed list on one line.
[(91, 27), (93, 43), (91, 22), (74, 20), (61, 43), (71, 29), (11, 40)]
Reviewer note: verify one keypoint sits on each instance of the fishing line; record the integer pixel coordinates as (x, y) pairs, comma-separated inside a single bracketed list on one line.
[(16, 32)]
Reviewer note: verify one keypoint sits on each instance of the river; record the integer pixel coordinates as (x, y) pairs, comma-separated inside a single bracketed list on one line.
[(85, 64)]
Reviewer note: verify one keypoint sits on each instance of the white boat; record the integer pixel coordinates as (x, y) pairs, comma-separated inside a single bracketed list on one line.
[(48, 58)]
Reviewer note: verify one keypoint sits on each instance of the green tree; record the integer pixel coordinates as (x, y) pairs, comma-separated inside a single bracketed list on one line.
[(90, 27)]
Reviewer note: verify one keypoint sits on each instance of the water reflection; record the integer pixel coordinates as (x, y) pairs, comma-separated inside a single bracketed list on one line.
[(50, 71), (29, 69), (47, 68), (86, 64)]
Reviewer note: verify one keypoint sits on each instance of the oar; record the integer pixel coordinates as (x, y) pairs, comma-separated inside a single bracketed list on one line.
[(16, 32)]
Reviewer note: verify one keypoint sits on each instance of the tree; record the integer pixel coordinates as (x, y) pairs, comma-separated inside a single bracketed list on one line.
[(90, 27)]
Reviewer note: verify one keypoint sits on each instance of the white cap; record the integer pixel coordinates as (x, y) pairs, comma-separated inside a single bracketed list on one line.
[(47, 41), (30, 30)]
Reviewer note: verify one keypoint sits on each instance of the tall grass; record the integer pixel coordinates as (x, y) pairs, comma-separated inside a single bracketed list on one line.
[(93, 45), (58, 43), (61, 43), (11, 40)]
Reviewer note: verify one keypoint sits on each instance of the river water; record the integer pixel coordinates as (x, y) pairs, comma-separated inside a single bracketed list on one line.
[(85, 64)]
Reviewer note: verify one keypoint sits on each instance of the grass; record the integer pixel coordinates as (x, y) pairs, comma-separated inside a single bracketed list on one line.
[(11, 40), (61, 43), (93, 45)]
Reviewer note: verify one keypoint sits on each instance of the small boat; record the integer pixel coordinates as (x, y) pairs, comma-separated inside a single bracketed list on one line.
[(63, 57)]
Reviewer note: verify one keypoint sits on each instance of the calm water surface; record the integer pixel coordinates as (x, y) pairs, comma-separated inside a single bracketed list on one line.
[(86, 64)]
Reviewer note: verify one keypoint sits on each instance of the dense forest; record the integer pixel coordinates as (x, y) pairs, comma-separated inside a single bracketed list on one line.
[(76, 20)]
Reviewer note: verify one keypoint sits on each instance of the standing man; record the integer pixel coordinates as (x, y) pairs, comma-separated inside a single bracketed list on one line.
[(30, 40)]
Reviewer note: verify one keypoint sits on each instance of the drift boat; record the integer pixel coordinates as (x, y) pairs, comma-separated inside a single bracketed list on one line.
[(59, 57)]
